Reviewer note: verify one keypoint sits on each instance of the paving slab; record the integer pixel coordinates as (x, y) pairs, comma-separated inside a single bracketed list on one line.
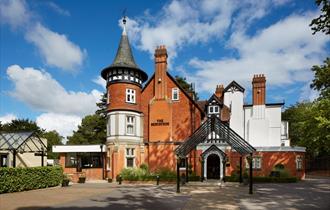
[(313, 193)]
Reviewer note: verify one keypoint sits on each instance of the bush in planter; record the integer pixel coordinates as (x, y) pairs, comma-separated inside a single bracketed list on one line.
[(66, 180), (20, 179), (82, 179)]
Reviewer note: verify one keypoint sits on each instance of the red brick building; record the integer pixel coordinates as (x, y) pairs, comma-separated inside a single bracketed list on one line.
[(149, 119)]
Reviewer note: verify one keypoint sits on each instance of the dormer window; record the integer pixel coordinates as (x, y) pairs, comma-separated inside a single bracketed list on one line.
[(213, 109), (175, 94), (130, 96)]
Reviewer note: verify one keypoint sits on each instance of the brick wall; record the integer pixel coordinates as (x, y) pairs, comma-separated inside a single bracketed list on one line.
[(117, 93)]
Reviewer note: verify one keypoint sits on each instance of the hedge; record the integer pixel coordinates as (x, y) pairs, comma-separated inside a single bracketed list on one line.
[(20, 179), (265, 179), (143, 174)]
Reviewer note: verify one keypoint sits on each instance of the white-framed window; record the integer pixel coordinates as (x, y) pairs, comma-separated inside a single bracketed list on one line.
[(213, 109), (130, 96), (256, 163), (175, 94), (299, 163), (130, 125), (130, 157)]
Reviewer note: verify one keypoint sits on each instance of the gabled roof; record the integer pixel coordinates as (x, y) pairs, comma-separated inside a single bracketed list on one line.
[(214, 97), (213, 148), (21, 141), (214, 124), (182, 90), (235, 85)]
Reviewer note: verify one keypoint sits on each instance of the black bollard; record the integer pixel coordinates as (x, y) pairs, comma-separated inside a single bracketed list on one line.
[(157, 179), (119, 181)]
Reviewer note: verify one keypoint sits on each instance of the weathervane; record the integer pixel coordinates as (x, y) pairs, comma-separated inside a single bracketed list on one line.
[(124, 16)]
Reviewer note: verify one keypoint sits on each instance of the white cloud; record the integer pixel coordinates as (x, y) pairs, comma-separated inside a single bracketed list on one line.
[(40, 91), (308, 94), (63, 124), (100, 81), (58, 9), (14, 12), (284, 51), (56, 49), (7, 118), (181, 23)]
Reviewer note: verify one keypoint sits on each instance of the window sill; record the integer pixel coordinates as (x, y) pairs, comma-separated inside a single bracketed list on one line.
[(132, 103)]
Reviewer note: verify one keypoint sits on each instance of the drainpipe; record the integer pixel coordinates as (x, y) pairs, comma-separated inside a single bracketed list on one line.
[(102, 162)]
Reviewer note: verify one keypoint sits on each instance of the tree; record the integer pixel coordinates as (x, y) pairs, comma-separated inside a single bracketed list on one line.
[(310, 121), (322, 23), (91, 131), (186, 86), (53, 138), (321, 81), (21, 125), (103, 106)]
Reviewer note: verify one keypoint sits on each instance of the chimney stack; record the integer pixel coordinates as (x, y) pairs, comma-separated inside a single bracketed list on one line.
[(219, 91), (160, 72), (258, 89)]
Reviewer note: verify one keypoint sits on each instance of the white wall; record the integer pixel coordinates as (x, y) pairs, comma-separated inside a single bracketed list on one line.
[(27, 159), (263, 125), (116, 125), (234, 100)]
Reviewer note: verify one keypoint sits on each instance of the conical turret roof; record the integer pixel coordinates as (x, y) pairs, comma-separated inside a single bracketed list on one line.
[(124, 57)]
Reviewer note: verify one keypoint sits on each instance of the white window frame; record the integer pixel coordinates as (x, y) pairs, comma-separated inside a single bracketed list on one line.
[(130, 153), (175, 91), (255, 163), (130, 121), (299, 163), (130, 96), (213, 107)]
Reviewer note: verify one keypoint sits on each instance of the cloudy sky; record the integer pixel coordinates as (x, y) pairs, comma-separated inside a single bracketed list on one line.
[(52, 52)]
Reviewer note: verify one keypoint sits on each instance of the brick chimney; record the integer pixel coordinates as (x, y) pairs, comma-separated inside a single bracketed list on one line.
[(258, 89), (160, 72), (219, 91)]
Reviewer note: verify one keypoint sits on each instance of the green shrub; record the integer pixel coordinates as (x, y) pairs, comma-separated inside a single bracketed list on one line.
[(233, 178), (144, 166), (283, 173), (166, 174), (20, 179), (194, 178)]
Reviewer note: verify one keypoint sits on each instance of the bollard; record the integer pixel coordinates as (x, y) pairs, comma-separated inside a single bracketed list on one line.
[(157, 179), (119, 181)]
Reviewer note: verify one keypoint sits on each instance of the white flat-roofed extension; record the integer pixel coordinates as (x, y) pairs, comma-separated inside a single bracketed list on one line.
[(79, 148)]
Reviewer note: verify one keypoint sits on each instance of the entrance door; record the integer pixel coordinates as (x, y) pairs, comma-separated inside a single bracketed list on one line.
[(213, 167)]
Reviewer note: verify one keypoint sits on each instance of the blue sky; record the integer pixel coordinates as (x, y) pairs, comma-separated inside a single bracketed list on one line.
[(52, 52)]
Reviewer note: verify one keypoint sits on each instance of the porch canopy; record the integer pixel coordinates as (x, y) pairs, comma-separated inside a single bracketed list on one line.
[(222, 132), (213, 130), (25, 141)]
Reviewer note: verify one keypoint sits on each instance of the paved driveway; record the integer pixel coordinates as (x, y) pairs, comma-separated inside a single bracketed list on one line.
[(309, 194)]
